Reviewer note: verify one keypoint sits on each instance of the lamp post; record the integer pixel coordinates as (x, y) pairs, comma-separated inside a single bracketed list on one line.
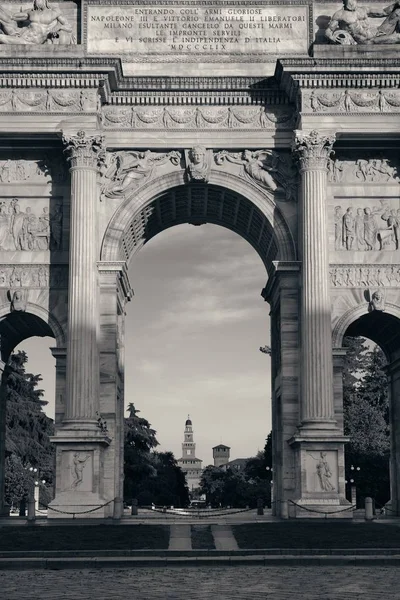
[(352, 482)]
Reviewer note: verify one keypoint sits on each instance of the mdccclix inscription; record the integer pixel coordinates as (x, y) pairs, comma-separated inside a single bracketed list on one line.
[(182, 29)]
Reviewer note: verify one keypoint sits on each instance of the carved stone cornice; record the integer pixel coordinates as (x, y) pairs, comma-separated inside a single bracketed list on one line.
[(84, 150), (313, 149)]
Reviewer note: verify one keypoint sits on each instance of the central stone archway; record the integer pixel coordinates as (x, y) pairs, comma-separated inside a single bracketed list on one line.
[(239, 206)]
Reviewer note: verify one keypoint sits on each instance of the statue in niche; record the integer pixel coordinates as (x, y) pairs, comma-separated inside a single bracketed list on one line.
[(351, 26), (17, 218), (199, 164), (40, 25), (79, 463), (377, 301), (128, 169), (18, 301)]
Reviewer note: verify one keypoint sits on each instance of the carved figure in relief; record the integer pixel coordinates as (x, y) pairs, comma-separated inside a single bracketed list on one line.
[(21, 230), (56, 220), (127, 169), (349, 228), (350, 25), (79, 463), (17, 224), (377, 301), (374, 170), (40, 25), (338, 219), (359, 229), (324, 473), (335, 170), (18, 302), (200, 165)]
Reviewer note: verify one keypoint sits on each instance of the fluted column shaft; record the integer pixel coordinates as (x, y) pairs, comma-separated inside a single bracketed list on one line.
[(317, 408), (82, 350)]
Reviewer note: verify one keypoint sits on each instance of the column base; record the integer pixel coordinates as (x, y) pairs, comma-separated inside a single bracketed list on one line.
[(319, 476), (79, 505)]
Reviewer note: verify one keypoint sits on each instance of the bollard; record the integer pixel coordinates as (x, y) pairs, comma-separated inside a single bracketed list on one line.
[(134, 507), (31, 509), (284, 510), (369, 515), (260, 506), (118, 508)]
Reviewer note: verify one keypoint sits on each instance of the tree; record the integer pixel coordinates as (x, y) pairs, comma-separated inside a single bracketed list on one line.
[(150, 476), (366, 420), (28, 428)]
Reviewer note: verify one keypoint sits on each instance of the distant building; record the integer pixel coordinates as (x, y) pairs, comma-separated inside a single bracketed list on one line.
[(221, 455), (238, 464), (189, 464)]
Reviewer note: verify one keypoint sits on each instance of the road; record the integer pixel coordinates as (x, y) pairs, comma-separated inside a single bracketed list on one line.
[(204, 583)]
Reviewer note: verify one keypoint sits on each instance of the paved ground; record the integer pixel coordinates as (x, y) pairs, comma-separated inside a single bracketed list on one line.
[(202, 583)]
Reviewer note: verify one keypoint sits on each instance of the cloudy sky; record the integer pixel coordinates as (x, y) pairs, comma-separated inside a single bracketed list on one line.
[(193, 332)]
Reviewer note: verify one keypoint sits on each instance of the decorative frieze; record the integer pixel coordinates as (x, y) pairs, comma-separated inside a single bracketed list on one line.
[(19, 169), (22, 228), (183, 117), (33, 276), (364, 276), (363, 170), (50, 100), (351, 101)]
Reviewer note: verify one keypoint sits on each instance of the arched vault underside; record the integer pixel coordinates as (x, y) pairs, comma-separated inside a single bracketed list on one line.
[(17, 326), (382, 328), (199, 204)]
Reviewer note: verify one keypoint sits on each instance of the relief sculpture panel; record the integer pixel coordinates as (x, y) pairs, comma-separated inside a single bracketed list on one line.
[(367, 228), (33, 276), (28, 224)]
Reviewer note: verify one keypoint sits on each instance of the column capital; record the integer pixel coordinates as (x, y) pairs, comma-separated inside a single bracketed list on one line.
[(313, 149), (84, 150)]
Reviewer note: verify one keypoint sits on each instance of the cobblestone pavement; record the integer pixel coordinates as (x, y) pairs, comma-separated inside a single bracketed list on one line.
[(201, 583)]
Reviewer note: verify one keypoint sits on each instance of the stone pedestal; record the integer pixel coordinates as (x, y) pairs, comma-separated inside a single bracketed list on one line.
[(80, 440), (318, 444)]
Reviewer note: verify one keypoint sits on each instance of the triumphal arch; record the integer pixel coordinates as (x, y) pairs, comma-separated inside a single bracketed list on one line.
[(279, 120)]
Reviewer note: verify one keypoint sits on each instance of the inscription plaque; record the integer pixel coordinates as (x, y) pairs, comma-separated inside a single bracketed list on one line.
[(220, 30)]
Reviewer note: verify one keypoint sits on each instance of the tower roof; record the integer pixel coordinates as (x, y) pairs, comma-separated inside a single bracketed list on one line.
[(221, 446), (188, 421)]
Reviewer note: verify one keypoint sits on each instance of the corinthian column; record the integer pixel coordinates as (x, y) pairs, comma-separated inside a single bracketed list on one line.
[(317, 409), (84, 152)]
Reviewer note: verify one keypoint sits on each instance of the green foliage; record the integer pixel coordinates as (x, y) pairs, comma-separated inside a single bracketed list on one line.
[(240, 488), (150, 476), (18, 481), (366, 420), (27, 429)]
